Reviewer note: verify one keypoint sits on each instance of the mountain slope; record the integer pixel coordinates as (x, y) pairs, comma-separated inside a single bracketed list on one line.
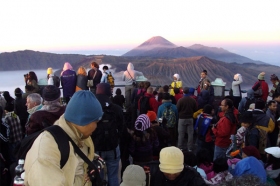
[(28, 59)]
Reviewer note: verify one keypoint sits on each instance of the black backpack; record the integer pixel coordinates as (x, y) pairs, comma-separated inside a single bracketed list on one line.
[(60, 137), (144, 104), (137, 97), (106, 136)]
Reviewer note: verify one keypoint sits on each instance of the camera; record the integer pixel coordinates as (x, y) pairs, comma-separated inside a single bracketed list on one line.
[(25, 75)]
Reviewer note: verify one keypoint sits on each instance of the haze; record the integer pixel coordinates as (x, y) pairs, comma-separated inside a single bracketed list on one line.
[(249, 28)]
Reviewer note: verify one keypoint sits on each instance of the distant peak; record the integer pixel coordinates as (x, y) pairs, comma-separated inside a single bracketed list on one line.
[(196, 46), (157, 41)]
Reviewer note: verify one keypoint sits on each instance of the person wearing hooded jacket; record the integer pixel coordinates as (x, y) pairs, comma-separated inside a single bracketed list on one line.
[(242, 104), (130, 76), (176, 83), (68, 81), (261, 84)]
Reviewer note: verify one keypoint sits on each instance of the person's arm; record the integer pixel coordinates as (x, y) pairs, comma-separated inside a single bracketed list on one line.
[(256, 86), (271, 125)]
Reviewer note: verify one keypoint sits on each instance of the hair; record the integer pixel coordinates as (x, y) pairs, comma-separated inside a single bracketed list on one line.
[(35, 98), (220, 165), (94, 64), (270, 102), (260, 104), (203, 157), (275, 95), (190, 158), (147, 84), (105, 67), (155, 93), (82, 71), (165, 88), (207, 109), (32, 76), (118, 91), (150, 90), (205, 72), (186, 90), (176, 90), (141, 85), (160, 90), (275, 162)]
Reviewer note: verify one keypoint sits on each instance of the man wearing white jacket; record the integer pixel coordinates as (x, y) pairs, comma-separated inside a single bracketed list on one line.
[(236, 89)]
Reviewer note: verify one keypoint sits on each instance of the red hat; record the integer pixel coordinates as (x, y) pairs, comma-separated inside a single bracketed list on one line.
[(251, 151), (152, 115)]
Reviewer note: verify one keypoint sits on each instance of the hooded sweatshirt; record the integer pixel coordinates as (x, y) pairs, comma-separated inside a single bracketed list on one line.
[(242, 103), (130, 74)]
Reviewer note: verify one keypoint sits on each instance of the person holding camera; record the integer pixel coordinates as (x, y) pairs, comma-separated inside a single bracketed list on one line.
[(31, 82), (42, 162)]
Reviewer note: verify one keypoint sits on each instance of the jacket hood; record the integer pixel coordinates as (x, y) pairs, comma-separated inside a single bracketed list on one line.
[(130, 66), (104, 100), (250, 94), (67, 66)]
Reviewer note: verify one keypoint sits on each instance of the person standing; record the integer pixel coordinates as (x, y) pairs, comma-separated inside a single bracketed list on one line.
[(176, 83), (236, 90), (225, 127), (31, 80), (94, 75), (52, 79), (186, 106), (276, 85), (106, 137), (261, 87), (20, 108), (130, 76), (81, 79), (271, 112), (42, 162), (203, 76), (68, 81)]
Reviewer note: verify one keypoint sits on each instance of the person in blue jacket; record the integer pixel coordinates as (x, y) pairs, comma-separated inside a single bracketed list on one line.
[(68, 81), (250, 165)]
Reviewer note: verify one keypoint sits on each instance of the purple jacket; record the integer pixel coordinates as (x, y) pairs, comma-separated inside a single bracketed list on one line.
[(68, 82)]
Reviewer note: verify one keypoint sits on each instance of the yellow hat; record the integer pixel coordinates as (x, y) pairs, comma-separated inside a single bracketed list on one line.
[(171, 160), (50, 71)]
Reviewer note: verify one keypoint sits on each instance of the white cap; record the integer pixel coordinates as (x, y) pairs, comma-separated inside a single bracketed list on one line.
[(274, 151)]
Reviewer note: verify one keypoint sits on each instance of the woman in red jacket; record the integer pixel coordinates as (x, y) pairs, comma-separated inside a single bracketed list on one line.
[(225, 127)]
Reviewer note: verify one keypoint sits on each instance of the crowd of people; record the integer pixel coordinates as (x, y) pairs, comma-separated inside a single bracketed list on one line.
[(168, 135)]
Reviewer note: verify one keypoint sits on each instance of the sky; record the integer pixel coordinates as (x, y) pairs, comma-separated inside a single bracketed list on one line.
[(246, 27)]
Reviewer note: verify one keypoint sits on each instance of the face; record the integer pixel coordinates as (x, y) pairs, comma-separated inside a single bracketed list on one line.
[(29, 104), (175, 79), (202, 75), (171, 176), (86, 130), (273, 107), (223, 106), (277, 99), (246, 125), (273, 81)]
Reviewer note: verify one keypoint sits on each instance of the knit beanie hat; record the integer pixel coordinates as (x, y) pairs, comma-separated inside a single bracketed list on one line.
[(142, 122), (274, 151), (18, 92), (134, 175), (171, 160), (83, 108), (152, 115), (252, 151), (50, 70), (51, 93), (104, 88), (261, 76)]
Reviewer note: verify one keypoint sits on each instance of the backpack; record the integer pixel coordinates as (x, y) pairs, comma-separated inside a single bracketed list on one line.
[(137, 97), (262, 140), (56, 81), (144, 104), (169, 115), (60, 137), (106, 136), (258, 92), (202, 124), (249, 102), (110, 79)]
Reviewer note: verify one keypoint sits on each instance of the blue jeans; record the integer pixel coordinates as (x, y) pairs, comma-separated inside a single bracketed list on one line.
[(219, 152), (112, 164)]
